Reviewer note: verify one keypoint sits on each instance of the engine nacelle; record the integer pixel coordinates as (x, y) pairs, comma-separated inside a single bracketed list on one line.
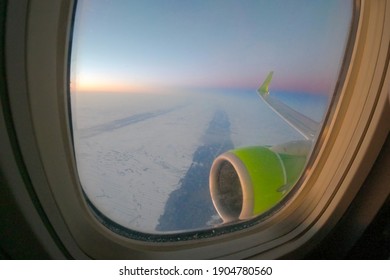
[(248, 181)]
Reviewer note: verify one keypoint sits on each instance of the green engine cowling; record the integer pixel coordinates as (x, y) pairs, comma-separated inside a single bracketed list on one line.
[(248, 181)]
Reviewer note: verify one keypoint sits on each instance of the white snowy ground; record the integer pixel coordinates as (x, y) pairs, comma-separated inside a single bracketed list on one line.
[(129, 171)]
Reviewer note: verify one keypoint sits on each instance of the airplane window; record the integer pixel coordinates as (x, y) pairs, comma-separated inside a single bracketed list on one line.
[(193, 115)]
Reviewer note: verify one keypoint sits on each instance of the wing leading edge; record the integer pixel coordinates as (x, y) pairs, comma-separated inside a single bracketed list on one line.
[(301, 123)]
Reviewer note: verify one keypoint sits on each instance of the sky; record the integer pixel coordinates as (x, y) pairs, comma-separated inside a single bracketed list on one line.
[(176, 46)]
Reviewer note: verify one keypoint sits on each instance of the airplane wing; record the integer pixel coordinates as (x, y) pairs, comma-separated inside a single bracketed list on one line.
[(303, 124), (247, 181)]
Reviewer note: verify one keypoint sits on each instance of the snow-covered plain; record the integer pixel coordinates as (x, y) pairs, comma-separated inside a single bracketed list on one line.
[(132, 150)]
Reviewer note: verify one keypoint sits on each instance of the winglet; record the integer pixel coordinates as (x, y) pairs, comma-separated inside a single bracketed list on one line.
[(304, 125), (263, 89)]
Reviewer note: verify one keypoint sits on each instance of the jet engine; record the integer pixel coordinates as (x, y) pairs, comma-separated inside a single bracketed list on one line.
[(248, 181)]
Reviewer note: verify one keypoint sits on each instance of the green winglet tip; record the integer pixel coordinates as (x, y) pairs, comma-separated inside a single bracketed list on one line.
[(264, 88)]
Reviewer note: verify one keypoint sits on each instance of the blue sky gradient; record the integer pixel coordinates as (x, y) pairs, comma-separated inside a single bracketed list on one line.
[(141, 46)]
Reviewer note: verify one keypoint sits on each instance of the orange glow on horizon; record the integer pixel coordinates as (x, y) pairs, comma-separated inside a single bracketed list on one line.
[(89, 87), (85, 87)]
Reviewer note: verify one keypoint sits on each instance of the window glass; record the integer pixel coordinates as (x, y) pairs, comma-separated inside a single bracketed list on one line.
[(191, 115)]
